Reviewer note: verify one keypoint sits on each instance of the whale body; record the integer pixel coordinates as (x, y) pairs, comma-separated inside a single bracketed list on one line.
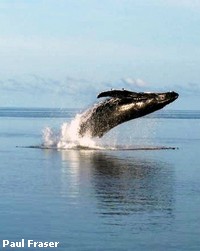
[(119, 106)]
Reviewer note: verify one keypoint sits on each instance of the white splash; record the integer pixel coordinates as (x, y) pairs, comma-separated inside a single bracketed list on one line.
[(49, 137), (127, 136), (68, 137)]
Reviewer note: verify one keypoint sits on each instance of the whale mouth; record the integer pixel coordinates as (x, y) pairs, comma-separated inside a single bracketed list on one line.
[(167, 97), (173, 95)]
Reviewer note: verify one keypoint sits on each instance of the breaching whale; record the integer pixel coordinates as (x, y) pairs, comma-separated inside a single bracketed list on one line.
[(120, 106)]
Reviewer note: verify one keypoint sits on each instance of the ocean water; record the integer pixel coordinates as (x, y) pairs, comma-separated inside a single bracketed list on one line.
[(108, 194)]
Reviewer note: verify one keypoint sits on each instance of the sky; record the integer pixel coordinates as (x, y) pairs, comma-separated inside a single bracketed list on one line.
[(62, 53)]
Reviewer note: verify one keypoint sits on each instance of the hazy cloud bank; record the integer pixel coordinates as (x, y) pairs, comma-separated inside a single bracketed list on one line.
[(75, 92)]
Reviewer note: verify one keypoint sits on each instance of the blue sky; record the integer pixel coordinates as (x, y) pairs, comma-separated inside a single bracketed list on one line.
[(61, 53)]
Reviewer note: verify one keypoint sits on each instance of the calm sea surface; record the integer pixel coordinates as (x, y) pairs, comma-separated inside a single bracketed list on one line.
[(117, 200)]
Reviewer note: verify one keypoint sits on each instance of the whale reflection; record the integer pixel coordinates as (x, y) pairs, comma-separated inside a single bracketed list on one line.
[(121, 184)]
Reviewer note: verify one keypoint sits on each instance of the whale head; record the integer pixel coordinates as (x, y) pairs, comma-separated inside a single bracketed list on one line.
[(140, 104)]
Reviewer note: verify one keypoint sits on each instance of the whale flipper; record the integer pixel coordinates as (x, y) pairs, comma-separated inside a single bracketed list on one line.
[(124, 94), (117, 93)]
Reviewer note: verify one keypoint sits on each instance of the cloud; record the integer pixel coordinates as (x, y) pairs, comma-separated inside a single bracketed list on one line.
[(27, 84), (68, 86), (34, 83), (68, 91), (188, 89), (134, 83), (35, 90)]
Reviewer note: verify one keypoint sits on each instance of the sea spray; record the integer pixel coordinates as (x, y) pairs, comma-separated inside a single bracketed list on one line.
[(123, 137), (49, 137), (68, 137)]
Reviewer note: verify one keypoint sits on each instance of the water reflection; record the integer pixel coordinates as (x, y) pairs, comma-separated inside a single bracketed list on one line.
[(121, 185), (134, 185)]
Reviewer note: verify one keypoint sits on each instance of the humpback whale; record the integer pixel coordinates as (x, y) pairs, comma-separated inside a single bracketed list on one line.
[(119, 106)]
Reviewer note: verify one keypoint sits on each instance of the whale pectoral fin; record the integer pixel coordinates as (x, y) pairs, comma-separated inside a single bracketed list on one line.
[(117, 93), (104, 94)]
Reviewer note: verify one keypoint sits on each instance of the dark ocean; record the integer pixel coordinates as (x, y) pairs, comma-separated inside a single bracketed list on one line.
[(137, 188)]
